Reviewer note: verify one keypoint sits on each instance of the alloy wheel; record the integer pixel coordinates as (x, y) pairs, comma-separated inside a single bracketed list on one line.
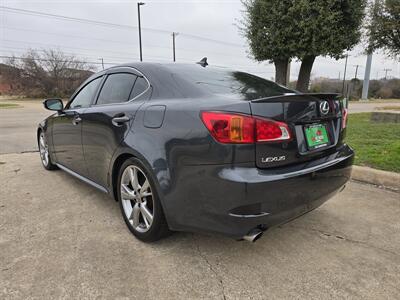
[(43, 149), (137, 198)]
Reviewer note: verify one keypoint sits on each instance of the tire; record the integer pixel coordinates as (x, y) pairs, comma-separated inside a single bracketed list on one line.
[(44, 152), (139, 202)]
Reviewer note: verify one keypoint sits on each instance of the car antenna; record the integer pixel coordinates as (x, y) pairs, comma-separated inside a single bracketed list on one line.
[(203, 62)]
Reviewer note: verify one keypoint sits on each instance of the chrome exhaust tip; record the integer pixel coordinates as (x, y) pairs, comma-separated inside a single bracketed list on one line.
[(253, 235)]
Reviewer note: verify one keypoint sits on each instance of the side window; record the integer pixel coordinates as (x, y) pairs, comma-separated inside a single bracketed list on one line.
[(117, 88), (140, 86), (85, 96)]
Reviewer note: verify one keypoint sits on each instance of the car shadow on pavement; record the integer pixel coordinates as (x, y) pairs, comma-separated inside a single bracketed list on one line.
[(187, 244)]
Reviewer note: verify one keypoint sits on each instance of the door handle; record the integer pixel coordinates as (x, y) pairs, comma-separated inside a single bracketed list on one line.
[(118, 121), (76, 120)]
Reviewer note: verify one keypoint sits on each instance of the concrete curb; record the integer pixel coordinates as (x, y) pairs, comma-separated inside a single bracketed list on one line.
[(386, 179)]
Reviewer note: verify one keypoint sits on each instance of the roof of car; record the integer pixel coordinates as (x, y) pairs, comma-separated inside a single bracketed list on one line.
[(143, 66), (164, 77), (179, 80)]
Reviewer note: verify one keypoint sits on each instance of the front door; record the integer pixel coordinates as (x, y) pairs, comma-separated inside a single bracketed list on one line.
[(67, 129)]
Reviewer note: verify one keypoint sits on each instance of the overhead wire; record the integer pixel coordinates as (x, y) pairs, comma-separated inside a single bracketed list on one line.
[(108, 24), (114, 25)]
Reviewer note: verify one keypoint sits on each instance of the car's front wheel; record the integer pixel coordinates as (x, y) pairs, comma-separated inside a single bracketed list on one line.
[(139, 202), (44, 152)]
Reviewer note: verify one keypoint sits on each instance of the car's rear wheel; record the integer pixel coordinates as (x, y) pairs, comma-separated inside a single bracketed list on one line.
[(139, 202), (44, 152)]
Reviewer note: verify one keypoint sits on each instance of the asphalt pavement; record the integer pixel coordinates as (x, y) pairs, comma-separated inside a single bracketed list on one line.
[(18, 126)]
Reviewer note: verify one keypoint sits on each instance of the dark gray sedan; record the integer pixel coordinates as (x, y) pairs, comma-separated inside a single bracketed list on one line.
[(193, 148)]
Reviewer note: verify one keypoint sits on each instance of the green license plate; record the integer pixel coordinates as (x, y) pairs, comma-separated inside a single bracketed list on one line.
[(316, 136)]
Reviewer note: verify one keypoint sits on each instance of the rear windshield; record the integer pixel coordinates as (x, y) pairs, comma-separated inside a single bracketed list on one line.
[(230, 83)]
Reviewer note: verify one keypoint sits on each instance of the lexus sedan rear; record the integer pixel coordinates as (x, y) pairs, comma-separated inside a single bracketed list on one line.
[(190, 148)]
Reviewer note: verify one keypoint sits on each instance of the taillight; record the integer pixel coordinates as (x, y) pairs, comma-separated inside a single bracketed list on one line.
[(269, 130), (344, 117), (244, 129), (229, 128)]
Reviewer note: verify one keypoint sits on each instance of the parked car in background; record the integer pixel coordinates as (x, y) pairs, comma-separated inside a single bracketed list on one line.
[(190, 148)]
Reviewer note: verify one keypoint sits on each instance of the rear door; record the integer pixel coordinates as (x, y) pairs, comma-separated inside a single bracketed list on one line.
[(315, 122), (67, 129), (108, 120)]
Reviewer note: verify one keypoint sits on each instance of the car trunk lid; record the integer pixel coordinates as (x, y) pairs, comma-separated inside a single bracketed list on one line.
[(315, 122)]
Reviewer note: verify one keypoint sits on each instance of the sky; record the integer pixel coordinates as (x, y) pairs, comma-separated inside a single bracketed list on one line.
[(205, 29)]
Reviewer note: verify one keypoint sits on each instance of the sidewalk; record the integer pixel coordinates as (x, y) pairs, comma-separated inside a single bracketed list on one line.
[(370, 106)]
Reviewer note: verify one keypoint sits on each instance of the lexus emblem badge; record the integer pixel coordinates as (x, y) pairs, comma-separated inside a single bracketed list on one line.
[(324, 107)]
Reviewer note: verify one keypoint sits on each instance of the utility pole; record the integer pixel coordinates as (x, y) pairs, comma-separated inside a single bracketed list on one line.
[(344, 75), (367, 74), (174, 34), (102, 62), (355, 76), (386, 71), (140, 30)]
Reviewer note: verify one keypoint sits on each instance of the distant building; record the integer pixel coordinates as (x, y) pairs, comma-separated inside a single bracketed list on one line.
[(6, 85)]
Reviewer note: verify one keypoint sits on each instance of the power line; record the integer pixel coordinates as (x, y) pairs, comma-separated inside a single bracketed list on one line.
[(162, 59), (24, 50), (68, 35), (121, 59), (193, 1), (54, 60), (74, 19), (69, 47), (95, 39), (148, 1), (123, 55), (87, 62), (108, 24), (191, 36), (118, 42)]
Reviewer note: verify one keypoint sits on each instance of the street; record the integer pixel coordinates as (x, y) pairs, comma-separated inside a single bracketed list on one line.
[(18, 126), (369, 106), (61, 238)]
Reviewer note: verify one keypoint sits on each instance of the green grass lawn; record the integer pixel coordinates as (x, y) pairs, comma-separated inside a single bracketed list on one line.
[(8, 105), (377, 145)]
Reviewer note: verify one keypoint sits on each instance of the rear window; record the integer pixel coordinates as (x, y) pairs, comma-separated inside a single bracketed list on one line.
[(139, 87), (230, 83), (117, 88)]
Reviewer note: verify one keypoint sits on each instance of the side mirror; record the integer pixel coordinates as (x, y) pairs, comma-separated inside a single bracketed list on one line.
[(53, 104)]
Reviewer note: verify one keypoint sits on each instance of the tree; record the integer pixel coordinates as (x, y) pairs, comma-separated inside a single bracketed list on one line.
[(384, 26), (268, 25), (328, 28), (302, 29), (48, 72)]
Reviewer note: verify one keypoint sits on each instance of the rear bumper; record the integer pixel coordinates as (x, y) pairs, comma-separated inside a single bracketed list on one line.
[(233, 200)]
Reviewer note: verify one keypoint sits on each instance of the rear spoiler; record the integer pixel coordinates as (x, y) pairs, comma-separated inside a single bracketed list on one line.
[(296, 97)]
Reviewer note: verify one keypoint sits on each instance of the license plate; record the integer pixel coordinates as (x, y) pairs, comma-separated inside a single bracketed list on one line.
[(316, 136)]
